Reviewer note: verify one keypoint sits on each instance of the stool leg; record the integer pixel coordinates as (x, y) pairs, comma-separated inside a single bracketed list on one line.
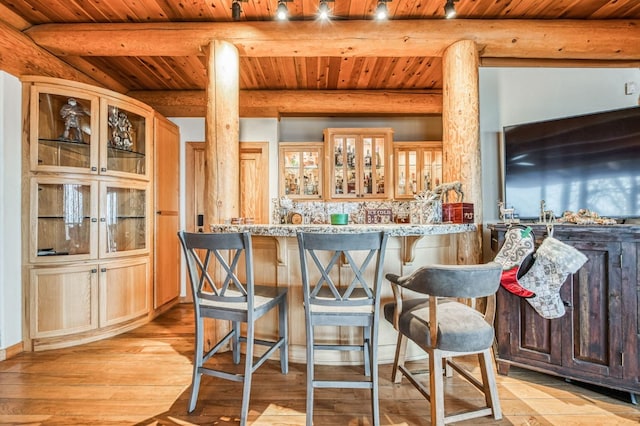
[(436, 388), (310, 375), (248, 368), (284, 334), (489, 382), (401, 350), (197, 364), (366, 350)]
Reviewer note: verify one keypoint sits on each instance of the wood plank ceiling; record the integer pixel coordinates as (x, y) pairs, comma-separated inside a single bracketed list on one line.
[(304, 71)]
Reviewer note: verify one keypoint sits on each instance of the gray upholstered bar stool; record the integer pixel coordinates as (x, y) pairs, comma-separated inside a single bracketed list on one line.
[(446, 329), (225, 290), (340, 291)]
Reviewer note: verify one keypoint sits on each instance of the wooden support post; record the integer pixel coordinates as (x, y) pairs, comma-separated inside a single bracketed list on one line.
[(222, 152), (222, 148), (461, 136)]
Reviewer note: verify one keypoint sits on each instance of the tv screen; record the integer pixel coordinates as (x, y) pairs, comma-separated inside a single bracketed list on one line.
[(583, 162)]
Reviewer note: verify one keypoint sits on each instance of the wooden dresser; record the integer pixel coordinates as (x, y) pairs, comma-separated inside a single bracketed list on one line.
[(597, 340)]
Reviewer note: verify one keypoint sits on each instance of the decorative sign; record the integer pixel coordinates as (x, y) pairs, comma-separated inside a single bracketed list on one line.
[(381, 216)]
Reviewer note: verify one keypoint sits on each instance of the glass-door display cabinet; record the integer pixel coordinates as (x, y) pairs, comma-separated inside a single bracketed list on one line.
[(86, 212), (418, 167), (358, 162), (301, 166)]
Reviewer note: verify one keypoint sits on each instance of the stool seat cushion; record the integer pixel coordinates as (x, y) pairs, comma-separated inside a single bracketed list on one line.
[(461, 328)]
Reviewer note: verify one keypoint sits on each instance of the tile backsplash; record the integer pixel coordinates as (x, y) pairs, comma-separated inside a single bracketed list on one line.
[(318, 212)]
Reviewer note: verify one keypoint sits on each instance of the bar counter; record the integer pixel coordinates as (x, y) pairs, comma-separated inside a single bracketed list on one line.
[(277, 263), (394, 230)]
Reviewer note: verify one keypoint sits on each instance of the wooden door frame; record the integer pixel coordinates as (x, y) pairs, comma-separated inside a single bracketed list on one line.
[(190, 148)]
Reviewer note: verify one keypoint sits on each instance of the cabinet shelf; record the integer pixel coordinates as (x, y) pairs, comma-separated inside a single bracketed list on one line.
[(124, 153), (59, 217)]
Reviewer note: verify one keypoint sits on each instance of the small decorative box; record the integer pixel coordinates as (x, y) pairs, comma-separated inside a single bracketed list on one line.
[(374, 216), (458, 212)]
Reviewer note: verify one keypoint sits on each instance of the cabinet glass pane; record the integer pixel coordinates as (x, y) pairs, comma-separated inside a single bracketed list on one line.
[(63, 219), (350, 165), (125, 219), (378, 166), (344, 157), (292, 173), (64, 131), (367, 169), (436, 169), (311, 172), (402, 173), (413, 171), (126, 141)]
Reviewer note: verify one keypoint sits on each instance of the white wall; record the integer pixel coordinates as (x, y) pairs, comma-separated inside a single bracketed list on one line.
[(519, 95), (251, 130), (10, 214)]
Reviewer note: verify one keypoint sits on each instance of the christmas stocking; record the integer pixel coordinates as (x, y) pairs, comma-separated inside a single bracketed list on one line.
[(518, 244), (554, 261)]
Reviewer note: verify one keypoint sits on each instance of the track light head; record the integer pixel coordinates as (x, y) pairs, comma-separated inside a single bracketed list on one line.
[(236, 10), (382, 13), (450, 9), (324, 12), (282, 12)]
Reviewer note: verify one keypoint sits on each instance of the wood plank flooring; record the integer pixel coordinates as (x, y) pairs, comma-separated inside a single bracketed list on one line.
[(143, 378)]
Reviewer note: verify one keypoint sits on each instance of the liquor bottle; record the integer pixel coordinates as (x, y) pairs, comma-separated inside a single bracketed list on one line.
[(367, 158)]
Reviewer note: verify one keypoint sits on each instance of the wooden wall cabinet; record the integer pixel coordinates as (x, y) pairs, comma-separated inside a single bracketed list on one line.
[(418, 167), (358, 163), (87, 212), (300, 170), (597, 340)]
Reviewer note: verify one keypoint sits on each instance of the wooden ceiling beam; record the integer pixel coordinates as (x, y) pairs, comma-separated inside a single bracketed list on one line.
[(276, 103), (508, 38), (19, 56)]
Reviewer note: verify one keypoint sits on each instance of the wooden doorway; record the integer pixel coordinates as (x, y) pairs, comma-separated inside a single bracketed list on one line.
[(254, 183)]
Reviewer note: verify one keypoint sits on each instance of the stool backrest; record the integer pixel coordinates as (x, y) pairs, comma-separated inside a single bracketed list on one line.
[(462, 281), (215, 267), (331, 254)]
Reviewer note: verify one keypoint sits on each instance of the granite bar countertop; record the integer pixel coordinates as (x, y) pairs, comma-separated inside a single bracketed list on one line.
[(394, 230)]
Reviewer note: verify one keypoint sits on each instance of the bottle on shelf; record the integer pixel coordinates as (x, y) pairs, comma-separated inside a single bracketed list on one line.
[(367, 158)]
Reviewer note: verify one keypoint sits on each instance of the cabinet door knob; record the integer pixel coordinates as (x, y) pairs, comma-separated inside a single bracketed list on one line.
[(93, 219), (94, 270), (94, 169), (103, 270), (103, 169), (102, 219)]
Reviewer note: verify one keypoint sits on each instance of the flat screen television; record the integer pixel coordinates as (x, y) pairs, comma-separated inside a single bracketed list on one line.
[(583, 162)]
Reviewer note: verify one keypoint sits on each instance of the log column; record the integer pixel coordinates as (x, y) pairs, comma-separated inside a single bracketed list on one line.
[(222, 152), (461, 136), (222, 149)]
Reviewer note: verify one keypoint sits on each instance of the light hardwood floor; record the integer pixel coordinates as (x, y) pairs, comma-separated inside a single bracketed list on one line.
[(143, 377)]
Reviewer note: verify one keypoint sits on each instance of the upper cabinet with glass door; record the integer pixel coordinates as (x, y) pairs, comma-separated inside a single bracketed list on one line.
[(78, 130), (126, 132), (418, 167), (301, 170), (64, 130), (358, 162)]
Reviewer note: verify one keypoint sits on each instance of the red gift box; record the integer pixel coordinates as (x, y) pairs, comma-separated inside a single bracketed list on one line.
[(458, 212)]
